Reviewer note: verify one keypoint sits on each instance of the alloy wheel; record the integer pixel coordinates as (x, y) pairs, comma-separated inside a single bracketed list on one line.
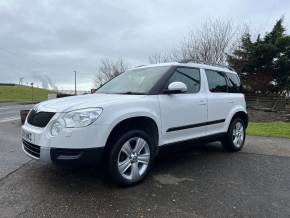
[(133, 158), (238, 134)]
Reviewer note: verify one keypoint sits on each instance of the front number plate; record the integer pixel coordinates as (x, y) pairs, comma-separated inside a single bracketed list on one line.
[(28, 136)]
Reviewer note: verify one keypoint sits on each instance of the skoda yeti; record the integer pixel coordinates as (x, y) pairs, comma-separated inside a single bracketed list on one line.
[(131, 116)]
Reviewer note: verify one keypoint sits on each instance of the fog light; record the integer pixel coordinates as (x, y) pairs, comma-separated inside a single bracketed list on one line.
[(55, 128)]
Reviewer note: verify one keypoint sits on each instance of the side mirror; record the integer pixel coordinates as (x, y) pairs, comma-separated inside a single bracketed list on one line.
[(176, 87)]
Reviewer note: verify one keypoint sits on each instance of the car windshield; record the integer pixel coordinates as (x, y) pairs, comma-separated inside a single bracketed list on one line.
[(136, 81)]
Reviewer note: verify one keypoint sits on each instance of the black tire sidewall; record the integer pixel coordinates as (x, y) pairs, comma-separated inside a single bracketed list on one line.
[(114, 152), (229, 144)]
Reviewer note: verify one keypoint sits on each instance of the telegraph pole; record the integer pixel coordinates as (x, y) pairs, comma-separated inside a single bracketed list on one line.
[(75, 82), (32, 94)]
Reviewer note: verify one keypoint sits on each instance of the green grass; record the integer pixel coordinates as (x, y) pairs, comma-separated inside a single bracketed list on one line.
[(22, 94), (273, 129)]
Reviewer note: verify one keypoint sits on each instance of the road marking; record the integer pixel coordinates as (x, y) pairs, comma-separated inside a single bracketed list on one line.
[(9, 113), (9, 119), (16, 107), (7, 108)]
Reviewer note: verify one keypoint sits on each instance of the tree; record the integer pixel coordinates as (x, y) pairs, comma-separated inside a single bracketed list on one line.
[(245, 60), (163, 57), (109, 69), (264, 64), (281, 59), (209, 44), (282, 67)]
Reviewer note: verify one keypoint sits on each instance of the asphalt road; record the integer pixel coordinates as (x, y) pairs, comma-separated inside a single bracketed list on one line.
[(202, 181), (10, 111)]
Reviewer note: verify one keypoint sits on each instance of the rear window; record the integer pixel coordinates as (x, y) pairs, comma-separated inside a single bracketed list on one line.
[(216, 81), (234, 83)]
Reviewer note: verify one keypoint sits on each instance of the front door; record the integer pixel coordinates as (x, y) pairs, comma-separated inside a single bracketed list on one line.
[(183, 114)]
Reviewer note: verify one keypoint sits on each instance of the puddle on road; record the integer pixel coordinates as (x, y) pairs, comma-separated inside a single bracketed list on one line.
[(167, 179)]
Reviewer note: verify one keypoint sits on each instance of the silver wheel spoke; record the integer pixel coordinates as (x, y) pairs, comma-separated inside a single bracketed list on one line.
[(124, 166), (127, 149), (135, 171), (144, 158), (236, 140), (139, 145), (241, 138)]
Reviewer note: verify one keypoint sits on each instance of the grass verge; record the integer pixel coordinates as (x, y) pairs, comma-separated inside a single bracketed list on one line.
[(22, 94), (273, 129)]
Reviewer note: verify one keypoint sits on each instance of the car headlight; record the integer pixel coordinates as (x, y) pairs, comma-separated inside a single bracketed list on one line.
[(82, 117), (55, 128)]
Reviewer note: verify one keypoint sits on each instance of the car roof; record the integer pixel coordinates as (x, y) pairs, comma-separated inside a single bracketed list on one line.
[(196, 65)]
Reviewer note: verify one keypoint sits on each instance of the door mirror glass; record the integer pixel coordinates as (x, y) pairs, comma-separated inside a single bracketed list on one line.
[(176, 87)]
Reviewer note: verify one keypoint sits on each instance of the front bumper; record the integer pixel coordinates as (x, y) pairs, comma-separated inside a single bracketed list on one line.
[(63, 156)]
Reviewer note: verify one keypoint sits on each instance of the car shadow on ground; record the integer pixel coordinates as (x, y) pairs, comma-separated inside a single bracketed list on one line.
[(168, 159)]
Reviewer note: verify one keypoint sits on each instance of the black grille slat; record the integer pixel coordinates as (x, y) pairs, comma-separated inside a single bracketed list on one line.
[(32, 149), (33, 153), (39, 119)]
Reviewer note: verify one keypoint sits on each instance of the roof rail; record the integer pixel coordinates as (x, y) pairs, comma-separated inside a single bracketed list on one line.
[(185, 61), (142, 65), (223, 66)]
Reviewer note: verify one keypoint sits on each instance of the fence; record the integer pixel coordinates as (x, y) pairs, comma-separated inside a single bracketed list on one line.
[(269, 102)]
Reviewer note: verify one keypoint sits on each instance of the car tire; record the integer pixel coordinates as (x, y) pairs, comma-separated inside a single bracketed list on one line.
[(234, 140), (131, 158)]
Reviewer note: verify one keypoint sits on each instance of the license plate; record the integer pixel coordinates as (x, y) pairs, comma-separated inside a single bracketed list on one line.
[(28, 136)]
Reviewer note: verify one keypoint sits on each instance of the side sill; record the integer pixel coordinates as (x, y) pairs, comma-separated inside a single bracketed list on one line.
[(203, 139)]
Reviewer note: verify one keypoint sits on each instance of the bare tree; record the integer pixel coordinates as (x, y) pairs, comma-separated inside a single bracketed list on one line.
[(109, 69), (168, 56), (209, 44)]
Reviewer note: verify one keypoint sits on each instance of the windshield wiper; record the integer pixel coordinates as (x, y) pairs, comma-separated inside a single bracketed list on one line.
[(131, 93)]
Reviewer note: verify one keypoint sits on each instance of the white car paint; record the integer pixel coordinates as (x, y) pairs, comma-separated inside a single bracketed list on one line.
[(167, 111)]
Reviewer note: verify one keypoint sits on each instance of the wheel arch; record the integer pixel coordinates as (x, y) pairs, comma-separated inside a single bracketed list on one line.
[(144, 123), (241, 114)]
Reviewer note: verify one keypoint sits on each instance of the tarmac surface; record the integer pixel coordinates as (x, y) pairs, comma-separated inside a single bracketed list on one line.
[(10, 111), (188, 181)]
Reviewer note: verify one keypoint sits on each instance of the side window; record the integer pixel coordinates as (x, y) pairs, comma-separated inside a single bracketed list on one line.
[(189, 76), (216, 81), (234, 83)]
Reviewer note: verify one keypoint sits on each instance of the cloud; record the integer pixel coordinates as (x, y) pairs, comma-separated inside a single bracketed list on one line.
[(55, 37)]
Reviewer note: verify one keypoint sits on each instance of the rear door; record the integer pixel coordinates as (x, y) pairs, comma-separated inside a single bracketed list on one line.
[(220, 102), (182, 114)]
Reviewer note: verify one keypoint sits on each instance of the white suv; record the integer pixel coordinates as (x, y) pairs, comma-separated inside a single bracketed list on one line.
[(130, 117)]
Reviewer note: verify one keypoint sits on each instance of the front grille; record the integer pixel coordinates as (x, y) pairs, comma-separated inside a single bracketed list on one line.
[(32, 149), (39, 119)]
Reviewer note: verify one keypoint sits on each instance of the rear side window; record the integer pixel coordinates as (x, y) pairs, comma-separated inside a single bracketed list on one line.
[(189, 76), (234, 83), (216, 81)]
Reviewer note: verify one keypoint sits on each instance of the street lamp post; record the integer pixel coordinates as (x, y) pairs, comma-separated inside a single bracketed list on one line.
[(75, 82), (32, 94)]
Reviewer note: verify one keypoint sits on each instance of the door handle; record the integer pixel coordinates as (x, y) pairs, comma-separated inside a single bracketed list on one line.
[(202, 102), (231, 101)]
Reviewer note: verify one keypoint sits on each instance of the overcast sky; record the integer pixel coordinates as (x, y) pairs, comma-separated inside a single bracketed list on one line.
[(40, 38)]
